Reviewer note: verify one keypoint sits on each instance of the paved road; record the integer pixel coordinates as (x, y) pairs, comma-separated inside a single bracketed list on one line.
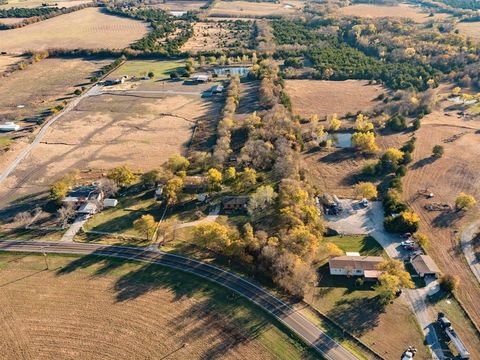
[(11, 168), (73, 229), (467, 246), (303, 327), (160, 92)]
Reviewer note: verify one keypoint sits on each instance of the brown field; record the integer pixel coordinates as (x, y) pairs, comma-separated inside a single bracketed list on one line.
[(401, 10), (458, 170), (37, 3), (215, 36), (9, 21), (256, 9), (87, 28), (324, 98), (140, 130), (470, 29), (179, 5), (86, 308), (6, 61)]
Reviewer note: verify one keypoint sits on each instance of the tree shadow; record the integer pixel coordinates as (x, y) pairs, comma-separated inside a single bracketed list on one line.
[(358, 315), (424, 162), (338, 156), (447, 218)]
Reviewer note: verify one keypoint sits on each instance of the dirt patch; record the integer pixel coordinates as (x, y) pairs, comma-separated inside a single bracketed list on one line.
[(218, 36), (446, 177), (401, 10), (324, 98), (10, 21), (80, 315), (256, 9), (471, 29), (88, 28), (6, 61)]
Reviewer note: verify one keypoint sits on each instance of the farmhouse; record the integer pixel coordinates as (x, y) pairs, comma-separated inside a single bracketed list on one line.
[(194, 184), (87, 209), (354, 265), (84, 194), (425, 266), (232, 203)]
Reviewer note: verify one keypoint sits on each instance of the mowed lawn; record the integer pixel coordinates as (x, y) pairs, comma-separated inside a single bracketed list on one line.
[(128, 310), (89, 28), (357, 309), (139, 68)]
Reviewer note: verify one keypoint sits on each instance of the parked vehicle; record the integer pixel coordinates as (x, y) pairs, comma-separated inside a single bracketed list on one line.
[(364, 202), (446, 326), (409, 353), (407, 242)]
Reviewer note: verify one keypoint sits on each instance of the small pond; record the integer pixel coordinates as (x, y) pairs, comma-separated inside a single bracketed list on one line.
[(240, 71), (340, 140)]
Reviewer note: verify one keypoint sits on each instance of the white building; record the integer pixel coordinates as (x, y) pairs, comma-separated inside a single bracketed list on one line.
[(353, 265)]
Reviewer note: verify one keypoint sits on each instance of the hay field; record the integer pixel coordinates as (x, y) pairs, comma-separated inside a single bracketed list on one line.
[(91, 308), (470, 29), (400, 10), (324, 97), (216, 36), (141, 129), (37, 3), (458, 170), (180, 5), (256, 9), (88, 28)]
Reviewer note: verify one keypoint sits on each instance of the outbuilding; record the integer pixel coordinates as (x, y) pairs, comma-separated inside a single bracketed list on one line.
[(87, 209), (233, 203), (110, 202), (200, 78), (425, 266)]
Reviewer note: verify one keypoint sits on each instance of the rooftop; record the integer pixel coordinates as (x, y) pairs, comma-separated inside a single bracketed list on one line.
[(425, 264), (356, 262)]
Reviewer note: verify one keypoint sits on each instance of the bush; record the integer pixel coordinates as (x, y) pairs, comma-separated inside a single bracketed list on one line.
[(416, 124), (401, 171), (449, 283), (437, 151), (397, 123), (407, 158), (406, 221)]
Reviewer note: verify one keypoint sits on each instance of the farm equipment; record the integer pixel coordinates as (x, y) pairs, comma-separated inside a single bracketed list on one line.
[(438, 207), (409, 353)]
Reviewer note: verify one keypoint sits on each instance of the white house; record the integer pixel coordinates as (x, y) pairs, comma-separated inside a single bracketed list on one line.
[(9, 126), (353, 265)]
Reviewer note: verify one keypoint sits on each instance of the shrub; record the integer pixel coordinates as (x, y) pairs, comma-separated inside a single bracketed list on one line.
[(449, 283), (397, 123), (406, 221), (437, 151), (465, 201), (401, 171)]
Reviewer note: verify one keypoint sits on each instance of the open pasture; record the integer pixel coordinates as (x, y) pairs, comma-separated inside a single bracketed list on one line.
[(180, 5), (91, 308), (88, 28), (470, 29), (218, 35), (6, 61), (456, 171), (140, 128), (38, 3), (256, 9), (140, 68), (401, 10), (325, 98)]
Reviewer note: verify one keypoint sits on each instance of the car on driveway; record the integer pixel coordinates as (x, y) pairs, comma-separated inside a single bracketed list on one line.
[(408, 242)]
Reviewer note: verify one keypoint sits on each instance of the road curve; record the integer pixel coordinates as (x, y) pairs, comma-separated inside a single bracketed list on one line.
[(282, 311)]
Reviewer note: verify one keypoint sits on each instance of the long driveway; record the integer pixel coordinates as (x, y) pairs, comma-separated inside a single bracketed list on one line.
[(282, 311), (38, 138)]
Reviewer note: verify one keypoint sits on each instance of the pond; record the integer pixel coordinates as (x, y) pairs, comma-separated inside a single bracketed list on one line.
[(340, 140), (240, 71)]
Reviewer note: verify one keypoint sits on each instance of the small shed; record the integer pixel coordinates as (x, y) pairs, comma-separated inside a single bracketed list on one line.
[(371, 275), (110, 202), (232, 203), (424, 265), (200, 78)]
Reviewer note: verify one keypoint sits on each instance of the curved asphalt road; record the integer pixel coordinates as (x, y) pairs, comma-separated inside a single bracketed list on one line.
[(296, 322)]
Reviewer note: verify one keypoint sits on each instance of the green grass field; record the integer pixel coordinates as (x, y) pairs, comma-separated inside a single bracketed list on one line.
[(138, 68), (364, 244)]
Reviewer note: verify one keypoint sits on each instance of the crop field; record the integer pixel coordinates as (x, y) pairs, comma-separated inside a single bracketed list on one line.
[(400, 10), (88, 28), (256, 9), (216, 36), (471, 29), (139, 68), (446, 177), (140, 128), (127, 310), (37, 3), (322, 97)]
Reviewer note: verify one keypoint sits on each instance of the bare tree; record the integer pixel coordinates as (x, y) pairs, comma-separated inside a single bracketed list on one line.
[(108, 187), (23, 218), (66, 212)]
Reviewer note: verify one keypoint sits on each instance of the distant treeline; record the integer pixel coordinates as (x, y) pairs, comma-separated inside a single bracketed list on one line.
[(463, 4), (26, 13)]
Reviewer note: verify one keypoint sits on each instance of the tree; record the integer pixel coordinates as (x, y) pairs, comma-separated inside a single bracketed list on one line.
[(23, 217), (406, 221), (215, 179), (146, 225), (363, 124), (59, 190), (66, 212), (388, 287), (177, 163), (392, 157), (213, 236), (261, 199), (333, 250), (437, 151), (335, 123), (172, 189), (422, 240), (449, 283), (151, 75), (396, 268), (108, 187), (464, 202), (122, 176), (456, 90), (230, 175), (365, 142), (150, 178), (365, 190), (246, 179)]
